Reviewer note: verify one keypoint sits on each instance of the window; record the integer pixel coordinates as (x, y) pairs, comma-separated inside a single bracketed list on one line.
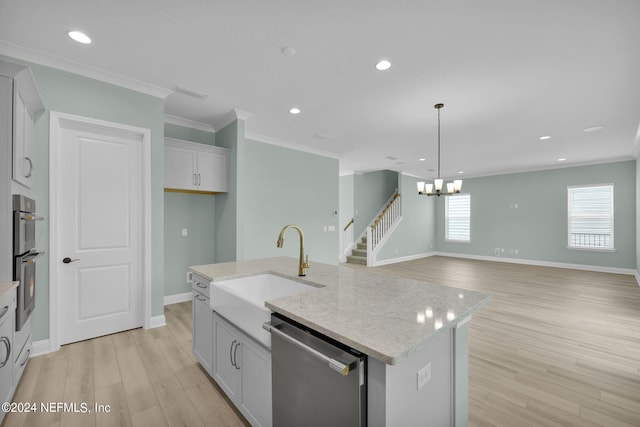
[(458, 217), (590, 212)]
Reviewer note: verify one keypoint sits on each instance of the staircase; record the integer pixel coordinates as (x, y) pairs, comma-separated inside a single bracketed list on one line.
[(359, 253), (371, 241)]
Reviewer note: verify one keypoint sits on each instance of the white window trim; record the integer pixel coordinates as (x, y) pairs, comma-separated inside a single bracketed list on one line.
[(446, 223), (611, 249)]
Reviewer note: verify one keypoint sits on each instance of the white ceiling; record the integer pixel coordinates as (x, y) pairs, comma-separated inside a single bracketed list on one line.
[(507, 71)]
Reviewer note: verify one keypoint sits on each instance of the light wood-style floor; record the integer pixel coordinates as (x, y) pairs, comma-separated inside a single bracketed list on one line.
[(555, 347), (149, 377)]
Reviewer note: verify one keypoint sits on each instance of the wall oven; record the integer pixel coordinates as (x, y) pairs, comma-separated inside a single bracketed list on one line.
[(25, 256)]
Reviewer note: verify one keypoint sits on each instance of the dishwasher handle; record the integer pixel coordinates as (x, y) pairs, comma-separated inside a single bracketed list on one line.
[(334, 364)]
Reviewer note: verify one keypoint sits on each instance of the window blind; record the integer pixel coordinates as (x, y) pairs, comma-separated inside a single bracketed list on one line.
[(458, 217), (590, 212)]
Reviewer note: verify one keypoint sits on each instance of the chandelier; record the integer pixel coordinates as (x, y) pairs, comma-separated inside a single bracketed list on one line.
[(428, 188)]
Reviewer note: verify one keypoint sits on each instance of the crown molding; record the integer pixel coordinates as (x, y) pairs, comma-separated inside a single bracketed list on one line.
[(230, 117), (286, 144), (174, 120), (41, 58)]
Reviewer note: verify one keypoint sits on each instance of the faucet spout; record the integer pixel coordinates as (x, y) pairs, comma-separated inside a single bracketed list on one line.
[(304, 263)]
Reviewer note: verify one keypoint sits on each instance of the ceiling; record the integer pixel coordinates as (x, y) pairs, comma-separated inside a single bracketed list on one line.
[(507, 71)]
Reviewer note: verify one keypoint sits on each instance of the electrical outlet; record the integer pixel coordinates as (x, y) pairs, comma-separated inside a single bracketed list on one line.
[(185, 232), (424, 376), (189, 276)]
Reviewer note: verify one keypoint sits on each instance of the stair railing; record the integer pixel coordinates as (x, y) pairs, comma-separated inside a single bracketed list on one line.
[(383, 224), (347, 241)]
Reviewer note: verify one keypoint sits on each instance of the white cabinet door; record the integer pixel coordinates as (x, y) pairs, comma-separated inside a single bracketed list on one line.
[(255, 387), (22, 142), (212, 171), (242, 367), (180, 168), (227, 353), (189, 166), (202, 330)]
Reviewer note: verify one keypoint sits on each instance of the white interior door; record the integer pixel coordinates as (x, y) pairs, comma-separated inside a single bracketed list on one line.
[(99, 186)]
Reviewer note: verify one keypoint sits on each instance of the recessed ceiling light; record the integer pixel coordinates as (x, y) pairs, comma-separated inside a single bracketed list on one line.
[(561, 159), (288, 51), (421, 159), (542, 138), (461, 172), (383, 65), (594, 129), (294, 110), (79, 36)]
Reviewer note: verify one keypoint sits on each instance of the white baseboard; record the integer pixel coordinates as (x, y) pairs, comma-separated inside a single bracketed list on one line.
[(157, 321), (403, 259), (38, 348), (597, 268), (174, 299), (637, 278)]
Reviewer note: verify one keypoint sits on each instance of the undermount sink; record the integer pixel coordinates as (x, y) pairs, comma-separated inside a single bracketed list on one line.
[(241, 301)]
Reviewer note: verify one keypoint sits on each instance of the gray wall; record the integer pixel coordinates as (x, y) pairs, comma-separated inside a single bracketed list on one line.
[(538, 226), (414, 235), (346, 209), (282, 186), (371, 192), (637, 216), (69, 93), (196, 213)]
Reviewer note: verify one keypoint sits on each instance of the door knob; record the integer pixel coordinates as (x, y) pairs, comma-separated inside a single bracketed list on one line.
[(67, 260)]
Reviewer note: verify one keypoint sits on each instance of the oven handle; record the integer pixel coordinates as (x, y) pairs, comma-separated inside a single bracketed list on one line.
[(334, 364), (32, 257)]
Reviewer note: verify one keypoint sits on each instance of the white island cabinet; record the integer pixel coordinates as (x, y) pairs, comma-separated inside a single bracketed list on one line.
[(202, 322), (414, 334), (242, 367), (197, 168), (239, 364)]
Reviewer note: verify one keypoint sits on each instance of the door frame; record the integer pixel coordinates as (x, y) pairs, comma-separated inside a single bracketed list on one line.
[(57, 122)]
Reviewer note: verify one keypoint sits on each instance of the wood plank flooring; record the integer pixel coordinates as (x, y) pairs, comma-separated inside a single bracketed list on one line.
[(555, 347), (148, 377)]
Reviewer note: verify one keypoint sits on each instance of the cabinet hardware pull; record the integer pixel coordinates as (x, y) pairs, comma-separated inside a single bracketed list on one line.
[(231, 353), (28, 175), (195, 182), (4, 311), (199, 181), (33, 218), (200, 285), (235, 359), (26, 357), (200, 298), (7, 344), (68, 260)]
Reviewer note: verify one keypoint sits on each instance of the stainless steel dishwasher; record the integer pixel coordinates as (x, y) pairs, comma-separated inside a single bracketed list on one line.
[(316, 381)]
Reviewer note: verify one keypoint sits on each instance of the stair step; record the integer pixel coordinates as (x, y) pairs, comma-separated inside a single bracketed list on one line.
[(354, 259), (362, 246), (360, 252)]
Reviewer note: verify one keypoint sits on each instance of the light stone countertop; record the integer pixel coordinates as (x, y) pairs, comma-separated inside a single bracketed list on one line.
[(383, 316), (7, 287)]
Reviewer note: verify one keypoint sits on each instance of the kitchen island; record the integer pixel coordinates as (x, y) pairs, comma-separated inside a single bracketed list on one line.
[(409, 330)]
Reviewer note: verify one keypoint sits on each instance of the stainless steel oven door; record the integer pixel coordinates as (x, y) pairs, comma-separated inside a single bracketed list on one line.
[(25, 273), (24, 224)]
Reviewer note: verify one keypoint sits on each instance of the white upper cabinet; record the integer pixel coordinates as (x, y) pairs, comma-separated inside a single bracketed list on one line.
[(26, 105), (193, 167)]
